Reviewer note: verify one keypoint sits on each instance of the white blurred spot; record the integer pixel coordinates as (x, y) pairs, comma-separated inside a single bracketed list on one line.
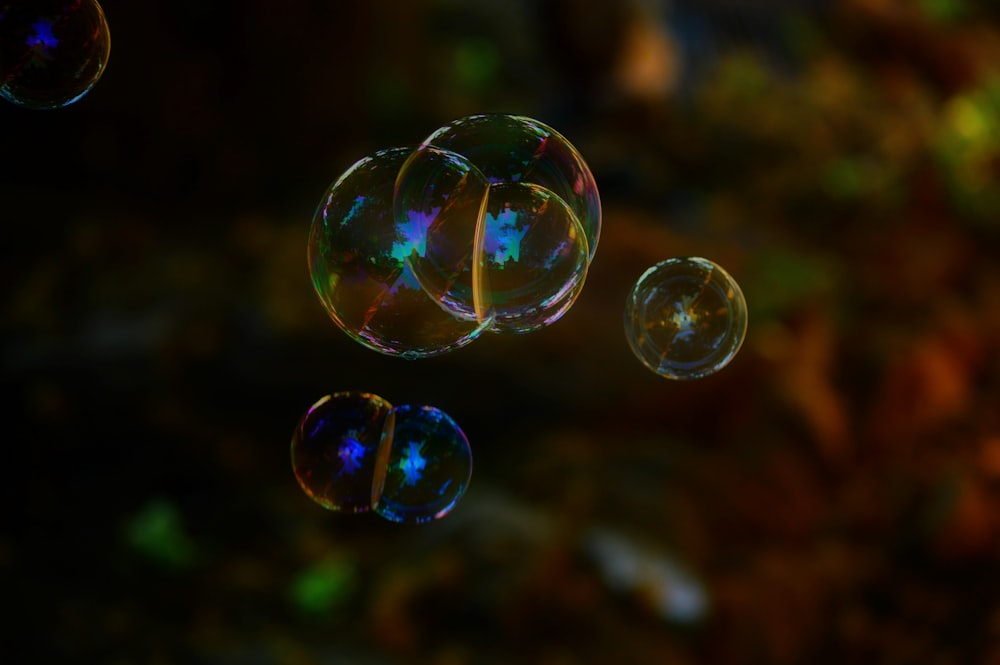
[(675, 593)]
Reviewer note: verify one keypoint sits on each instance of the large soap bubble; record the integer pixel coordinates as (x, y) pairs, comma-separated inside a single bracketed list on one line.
[(358, 260), (514, 148)]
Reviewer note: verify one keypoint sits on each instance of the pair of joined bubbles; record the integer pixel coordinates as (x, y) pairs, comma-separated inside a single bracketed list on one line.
[(354, 452), (490, 223)]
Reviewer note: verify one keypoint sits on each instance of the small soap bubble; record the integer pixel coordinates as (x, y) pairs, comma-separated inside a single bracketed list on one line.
[(51, 52), (427, 469), (359, 261), (354, 452), (335, 446), (685, 318)]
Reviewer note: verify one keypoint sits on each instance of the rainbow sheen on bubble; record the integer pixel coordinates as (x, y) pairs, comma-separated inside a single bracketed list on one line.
[(334, 449), (441, 205), (359, 261), (536, 256), (490, 224), (512, 148), (427, 469), (353, 452), (51, 52), (685, 318)]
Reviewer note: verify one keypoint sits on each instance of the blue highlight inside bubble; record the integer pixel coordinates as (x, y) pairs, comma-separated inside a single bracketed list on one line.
[(412, 234), (503, 237), (351, 454), (412, 464), (42, 36)]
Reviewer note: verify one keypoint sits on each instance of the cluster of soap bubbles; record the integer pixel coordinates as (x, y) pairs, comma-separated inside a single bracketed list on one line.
[(685, 318), (490, 224), (52, 52), (354, 452)]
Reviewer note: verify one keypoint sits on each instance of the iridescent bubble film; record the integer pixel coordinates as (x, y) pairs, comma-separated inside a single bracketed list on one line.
[(513, 148), (51, 53), (353, 452), (536, 256), (685, 318), (490, 224), (440, 200), (335, 446), (359, 253), (427, 468)]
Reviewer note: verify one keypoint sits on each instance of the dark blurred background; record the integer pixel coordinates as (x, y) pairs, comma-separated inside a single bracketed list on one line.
[(833, 496)]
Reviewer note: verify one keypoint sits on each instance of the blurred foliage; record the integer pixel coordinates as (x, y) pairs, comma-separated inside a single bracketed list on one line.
[(156, 531), (323, 586)]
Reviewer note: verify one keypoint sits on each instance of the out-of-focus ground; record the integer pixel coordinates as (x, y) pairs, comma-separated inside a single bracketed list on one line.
[(833, 496)]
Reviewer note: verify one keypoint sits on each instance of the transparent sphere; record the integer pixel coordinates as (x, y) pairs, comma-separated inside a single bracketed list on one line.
[(360, 260), (511, 254), (426, 469), (512, 148), (535, 234), (685, 318), (536, 256), (51, 52), (335, 447)]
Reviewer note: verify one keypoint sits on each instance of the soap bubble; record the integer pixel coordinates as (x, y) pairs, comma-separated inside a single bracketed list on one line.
[(334, 449), (519, 261), (685, 318), (353, 452), (536, 256), (491, 224), (51, 52), (358, 260), (542, 215), (513, 148), (427, 467)]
